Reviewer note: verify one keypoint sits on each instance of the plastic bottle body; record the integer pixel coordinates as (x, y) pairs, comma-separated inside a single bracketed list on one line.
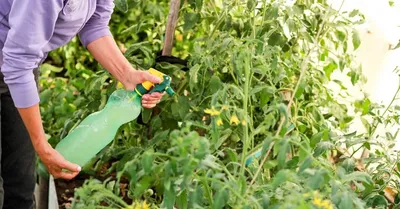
[(98, 129)]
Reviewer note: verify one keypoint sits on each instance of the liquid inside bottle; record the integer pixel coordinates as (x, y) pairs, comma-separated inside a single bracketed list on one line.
[(98, 129)]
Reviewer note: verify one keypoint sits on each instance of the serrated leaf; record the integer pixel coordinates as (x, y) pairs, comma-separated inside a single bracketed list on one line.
[(190, 20), (193, 76), (322, 147), (358, 176), (121, 5)]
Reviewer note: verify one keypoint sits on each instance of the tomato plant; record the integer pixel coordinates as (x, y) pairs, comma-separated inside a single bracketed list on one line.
[(256, 84)]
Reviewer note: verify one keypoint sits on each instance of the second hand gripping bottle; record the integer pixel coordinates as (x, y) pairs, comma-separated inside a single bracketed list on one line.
[(98, 129)]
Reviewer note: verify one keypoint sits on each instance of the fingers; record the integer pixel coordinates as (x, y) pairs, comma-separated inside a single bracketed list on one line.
[(146, 76), (151, 100), (70, 166), (67, 175), (152, 97)]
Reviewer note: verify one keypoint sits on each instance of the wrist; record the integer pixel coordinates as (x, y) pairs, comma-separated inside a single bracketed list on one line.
[(41, 146)]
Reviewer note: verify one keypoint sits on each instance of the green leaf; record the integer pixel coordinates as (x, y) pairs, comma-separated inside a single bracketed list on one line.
[(251, 4), (49, 67), (199, 4), (284, 148), (45, 96), (193, 72), (146, 115), (397, 46), (316, 138), (196, 4), (300, 90), (214, 85), (220, 199), (121, 5), (142, 185), (340, 35), (317, 180), (356, 39), (306, 164), (190, 20), (225, 135), (169, 197), (265, 201), (147, 162), (377, 200), (346, 201), (358, 176), (349, 165), (328, 69), (266, 144), (354, 13), (322, 147), (182, 200), (283, 110), (280, 177)]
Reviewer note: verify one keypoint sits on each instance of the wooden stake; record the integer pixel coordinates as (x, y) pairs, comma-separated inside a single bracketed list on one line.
[(171, 24)]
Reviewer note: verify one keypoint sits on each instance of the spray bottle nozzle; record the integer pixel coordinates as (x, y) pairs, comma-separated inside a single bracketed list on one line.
[(149, 87)]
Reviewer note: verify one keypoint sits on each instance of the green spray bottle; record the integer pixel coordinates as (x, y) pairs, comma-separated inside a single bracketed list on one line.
[(98, 129)]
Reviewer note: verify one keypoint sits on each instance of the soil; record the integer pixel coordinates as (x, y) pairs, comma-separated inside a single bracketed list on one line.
[(65, 188)]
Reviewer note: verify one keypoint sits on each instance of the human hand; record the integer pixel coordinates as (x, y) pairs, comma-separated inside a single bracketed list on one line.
[(56, 164), (151, 100), (135, 77)]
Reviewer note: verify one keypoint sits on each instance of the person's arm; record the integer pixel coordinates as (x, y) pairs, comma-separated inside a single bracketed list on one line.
[(97, 38), (31, 26)]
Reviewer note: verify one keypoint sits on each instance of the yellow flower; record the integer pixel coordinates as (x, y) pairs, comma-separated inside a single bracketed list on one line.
[(224, 107), (138, 205), (234, 120), (326, 204), (212, 111), (244, 122), (219, 122), (317, 202)]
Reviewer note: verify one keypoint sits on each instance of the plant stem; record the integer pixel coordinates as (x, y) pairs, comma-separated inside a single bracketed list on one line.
[(245, 112)]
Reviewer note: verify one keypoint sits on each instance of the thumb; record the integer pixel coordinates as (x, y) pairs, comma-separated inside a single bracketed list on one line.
[(146, 76)]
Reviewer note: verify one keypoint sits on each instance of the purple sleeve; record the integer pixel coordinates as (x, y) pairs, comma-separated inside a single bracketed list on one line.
[(31, 27), (97, 26)]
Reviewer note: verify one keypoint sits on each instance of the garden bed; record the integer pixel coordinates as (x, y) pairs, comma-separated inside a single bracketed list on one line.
[(65, 189)]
